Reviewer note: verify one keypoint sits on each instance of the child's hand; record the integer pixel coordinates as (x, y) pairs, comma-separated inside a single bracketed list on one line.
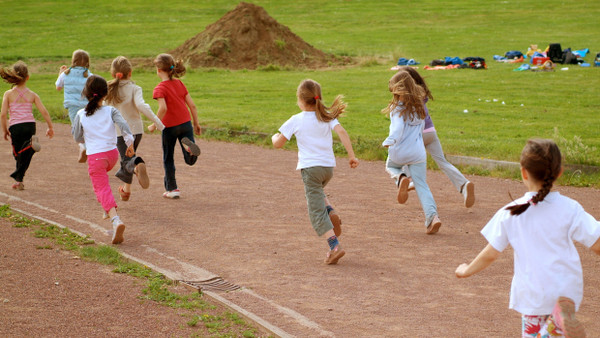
[(152, 127), (63, 68), (197, 129), (461, 270), (130, 152), (50, 132), (353, 162), (6, 134)]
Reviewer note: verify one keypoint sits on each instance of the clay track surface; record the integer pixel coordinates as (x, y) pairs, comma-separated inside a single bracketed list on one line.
[(242, 216)]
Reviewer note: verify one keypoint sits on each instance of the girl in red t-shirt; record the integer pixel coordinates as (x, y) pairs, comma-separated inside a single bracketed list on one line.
[(175, 105)]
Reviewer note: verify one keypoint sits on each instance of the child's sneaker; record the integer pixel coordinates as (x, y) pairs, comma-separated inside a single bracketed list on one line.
[(142, 175), (35, 144), (434, 226), (124, 195), (403, 189), (334, 255), (173, 194), (105, 215), (468, 192), (411, 186), (118, 230), (190, 146), (564, 317), (335, 220), (82, 154), (18, 186)]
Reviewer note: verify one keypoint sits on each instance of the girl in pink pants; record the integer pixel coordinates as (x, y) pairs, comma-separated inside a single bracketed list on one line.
[(94, 125)]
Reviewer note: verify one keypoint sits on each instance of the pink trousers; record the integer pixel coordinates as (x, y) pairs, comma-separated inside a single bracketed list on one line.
[(98, 167)]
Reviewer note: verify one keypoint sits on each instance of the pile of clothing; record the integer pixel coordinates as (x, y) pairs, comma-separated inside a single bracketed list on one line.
[(471, 62)]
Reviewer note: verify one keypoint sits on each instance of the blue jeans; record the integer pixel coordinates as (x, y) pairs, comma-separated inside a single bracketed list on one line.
[(418, 173), (170, 136)]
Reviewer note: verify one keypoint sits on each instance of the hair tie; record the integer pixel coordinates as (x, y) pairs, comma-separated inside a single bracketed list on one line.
[(119, 75), (95, 95), (172, 66), (317, 97)]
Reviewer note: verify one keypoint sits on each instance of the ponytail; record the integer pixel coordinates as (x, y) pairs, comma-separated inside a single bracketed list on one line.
[(15, 75), (95, 90), (166, 63), (120, 68), (309, 92)]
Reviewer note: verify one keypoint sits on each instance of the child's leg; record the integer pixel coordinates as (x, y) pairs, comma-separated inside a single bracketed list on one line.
[(315, 178), (98, 167), (184, 131), (394, 169), (399, 173), (169, 138), (534, 326), (419, 177), (128, 164), (434, 148), (20, 135), (335, 219)]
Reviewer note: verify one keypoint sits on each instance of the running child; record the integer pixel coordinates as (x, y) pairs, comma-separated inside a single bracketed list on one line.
[(17, 103), (434, 147), (127, 97), (406, 151), (95, 125), (175, 105), (547, 286), (312, 127), (72, 80)]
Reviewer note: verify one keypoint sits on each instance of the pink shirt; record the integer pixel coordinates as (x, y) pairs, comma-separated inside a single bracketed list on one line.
[(20, 112)]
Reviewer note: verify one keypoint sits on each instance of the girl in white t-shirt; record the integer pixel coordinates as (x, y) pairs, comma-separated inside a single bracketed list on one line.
[(547, 286), (95, 125), (316, 160)]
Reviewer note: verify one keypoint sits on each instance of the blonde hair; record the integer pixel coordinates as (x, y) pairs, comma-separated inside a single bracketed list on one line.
[(80, 58), (120, 68), (15, 75), (309, 92), (407, 95), (166, 63)]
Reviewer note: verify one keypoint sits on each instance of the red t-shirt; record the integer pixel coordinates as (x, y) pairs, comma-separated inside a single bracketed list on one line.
[(174, 92)]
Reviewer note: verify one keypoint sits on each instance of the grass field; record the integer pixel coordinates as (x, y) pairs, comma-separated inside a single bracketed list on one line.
[(561, 104)]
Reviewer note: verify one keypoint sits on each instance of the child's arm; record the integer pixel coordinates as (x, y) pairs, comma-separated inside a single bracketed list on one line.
[(343, 134), (162, 111), (486, 257), (45, 114), (77, 130), (278, 140), (194, 112), (3, 115), (596, 247), (61, 78), (125, 131), (142, 106)]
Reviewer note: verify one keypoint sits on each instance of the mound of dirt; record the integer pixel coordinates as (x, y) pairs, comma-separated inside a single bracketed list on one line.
[(248, 37)]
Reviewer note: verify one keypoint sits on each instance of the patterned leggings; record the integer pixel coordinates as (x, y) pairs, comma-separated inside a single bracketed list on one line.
[(540, 327)]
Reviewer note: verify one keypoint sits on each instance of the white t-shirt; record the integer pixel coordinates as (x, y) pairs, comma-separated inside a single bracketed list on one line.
[(315, 145), (98, 131), (546, 261)]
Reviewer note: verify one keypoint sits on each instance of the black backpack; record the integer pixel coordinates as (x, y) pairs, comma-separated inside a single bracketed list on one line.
[(555, 53)]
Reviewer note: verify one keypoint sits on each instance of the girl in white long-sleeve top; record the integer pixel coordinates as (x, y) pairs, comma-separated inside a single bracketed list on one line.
[(94, 125)]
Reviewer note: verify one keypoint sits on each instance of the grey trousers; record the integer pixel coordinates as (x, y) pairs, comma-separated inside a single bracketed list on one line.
[(434, 148), (315, 179)]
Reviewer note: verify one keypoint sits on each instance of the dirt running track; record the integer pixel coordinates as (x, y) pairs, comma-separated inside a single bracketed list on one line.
[(242, 216)]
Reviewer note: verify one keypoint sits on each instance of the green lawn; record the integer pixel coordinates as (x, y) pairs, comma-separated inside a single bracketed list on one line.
[(376, 33)]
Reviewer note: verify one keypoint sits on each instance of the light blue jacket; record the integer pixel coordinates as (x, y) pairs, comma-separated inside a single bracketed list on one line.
[(405, 140), (73, 86)]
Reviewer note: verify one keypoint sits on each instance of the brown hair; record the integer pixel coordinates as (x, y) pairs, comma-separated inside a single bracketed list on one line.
[(419, 80), (80, 58), (542, 160), (119, 69), (309, 92), (15, 75), (95, 89), (166, 63), (407, 95)]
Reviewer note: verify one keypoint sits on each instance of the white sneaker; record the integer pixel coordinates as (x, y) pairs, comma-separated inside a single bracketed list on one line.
[(468, 191), (118, 230), (173, 194)]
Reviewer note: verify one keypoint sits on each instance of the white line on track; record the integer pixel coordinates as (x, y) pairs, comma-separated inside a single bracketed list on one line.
[(299, 318)]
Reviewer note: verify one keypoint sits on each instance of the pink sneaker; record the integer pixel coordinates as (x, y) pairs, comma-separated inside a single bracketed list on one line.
[(564, 317)]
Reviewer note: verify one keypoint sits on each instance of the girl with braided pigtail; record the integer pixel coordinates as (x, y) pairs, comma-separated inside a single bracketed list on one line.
[(547, 286)]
